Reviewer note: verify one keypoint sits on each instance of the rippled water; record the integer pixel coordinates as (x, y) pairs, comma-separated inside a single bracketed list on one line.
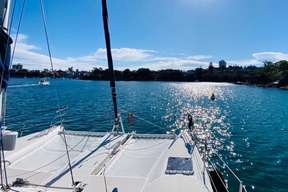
[(246, 125)]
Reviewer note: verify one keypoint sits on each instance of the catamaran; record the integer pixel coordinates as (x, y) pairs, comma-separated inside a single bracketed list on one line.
[(56, 159)]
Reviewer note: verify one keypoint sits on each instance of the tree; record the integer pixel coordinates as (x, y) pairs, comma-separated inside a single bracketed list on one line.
[(144, 74), (283, 65), (210, 68), (198, 73), (284, 79), (127, 74), (70, 69)]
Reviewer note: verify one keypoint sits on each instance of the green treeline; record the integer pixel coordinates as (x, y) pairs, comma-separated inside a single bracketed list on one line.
[(271, 74)]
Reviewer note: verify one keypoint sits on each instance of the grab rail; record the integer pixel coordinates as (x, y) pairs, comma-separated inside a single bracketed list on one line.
[(210, 165), (213, 166)]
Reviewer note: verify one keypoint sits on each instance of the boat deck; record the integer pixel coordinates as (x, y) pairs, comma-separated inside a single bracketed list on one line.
[(106, 162)]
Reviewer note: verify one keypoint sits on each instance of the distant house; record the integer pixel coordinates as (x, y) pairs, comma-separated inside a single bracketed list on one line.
[(17, 67), (222, 64)]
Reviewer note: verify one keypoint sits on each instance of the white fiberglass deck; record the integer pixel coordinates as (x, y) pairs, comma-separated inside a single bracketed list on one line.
[(103, 162)]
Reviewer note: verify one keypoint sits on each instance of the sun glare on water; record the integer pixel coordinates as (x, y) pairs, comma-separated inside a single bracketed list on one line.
[(210, 121)]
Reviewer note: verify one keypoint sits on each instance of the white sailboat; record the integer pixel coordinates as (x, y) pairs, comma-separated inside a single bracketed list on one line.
[(59, 160)]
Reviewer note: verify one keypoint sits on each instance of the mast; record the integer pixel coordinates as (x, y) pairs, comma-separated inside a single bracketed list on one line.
[(110, 66), (6, 14), (5, 50), (5, 54)]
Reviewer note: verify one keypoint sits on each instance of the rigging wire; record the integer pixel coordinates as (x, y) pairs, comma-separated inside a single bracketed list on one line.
[(53, 73), (18, 29), (46, 35)]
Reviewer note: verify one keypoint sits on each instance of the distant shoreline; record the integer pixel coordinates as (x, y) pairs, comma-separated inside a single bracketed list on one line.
[(235, 83), (268, 85), (269, 75)]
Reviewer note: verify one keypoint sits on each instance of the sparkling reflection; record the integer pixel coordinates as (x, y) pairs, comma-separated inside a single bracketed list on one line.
[(210, 121)]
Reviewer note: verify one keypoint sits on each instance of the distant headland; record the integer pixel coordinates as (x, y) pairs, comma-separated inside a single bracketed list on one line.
[(269, 75)]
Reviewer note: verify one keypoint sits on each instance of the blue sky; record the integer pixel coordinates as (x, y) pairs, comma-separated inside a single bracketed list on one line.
[(158, 34)]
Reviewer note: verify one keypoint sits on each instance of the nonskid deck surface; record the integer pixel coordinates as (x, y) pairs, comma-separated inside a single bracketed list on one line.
[(104, 162)]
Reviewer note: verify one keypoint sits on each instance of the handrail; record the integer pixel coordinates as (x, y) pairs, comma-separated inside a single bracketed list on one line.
[(210, 164), (242, 188), (226, 165), (213, 184), (214, 167)]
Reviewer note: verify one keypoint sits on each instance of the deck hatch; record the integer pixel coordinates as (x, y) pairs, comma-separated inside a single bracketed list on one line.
[(179, 165)]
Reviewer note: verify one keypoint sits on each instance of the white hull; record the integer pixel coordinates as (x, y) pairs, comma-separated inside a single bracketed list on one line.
[(103, 162), (45, 83)]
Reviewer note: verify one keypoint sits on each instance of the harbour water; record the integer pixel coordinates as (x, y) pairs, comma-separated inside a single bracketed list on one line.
[(246, 125)]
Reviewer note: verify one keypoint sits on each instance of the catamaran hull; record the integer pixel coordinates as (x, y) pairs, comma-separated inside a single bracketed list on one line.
[(106, 162)]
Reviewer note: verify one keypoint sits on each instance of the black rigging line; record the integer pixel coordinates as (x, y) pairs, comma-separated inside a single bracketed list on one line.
[(110, 59)]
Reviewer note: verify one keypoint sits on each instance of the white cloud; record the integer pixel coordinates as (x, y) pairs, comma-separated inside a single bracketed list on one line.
[(200, 57), (270, 56), (260, 57), (125, 54), (245, 62), (29, 55), (183, 63), (32, 58)]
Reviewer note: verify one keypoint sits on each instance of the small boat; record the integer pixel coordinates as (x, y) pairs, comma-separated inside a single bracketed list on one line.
[(212, 97), (44, 82)]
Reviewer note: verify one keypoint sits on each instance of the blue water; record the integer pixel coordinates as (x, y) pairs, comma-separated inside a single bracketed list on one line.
[(247, 125)]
